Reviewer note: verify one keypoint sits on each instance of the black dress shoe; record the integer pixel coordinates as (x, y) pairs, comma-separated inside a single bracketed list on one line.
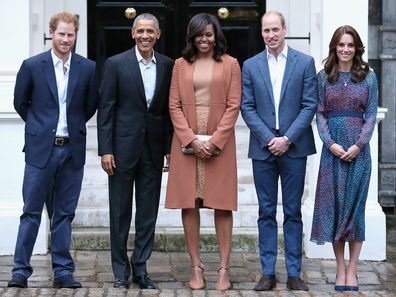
[(295, 283), (144, 282), (266, 283), (18, 281), (121, 283), (66, 281)]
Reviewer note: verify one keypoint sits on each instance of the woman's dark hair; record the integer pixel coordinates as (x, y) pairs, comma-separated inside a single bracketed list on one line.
[(196, 26), (359, 68)]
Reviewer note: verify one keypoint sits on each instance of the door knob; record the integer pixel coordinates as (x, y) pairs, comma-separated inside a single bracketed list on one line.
[(130, 13), (223, 13)]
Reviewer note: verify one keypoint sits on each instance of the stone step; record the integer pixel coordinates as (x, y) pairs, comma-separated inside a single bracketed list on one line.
[(170, 240)]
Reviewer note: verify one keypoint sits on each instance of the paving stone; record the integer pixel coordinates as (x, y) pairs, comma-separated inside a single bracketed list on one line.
[(170, 285), (133, 293), (27, 292), (113, 292), (166, 293), (95, 292)]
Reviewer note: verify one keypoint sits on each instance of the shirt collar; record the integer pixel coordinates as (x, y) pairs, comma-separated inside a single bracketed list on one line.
[(56, 60), (140, 58), (283, 53)]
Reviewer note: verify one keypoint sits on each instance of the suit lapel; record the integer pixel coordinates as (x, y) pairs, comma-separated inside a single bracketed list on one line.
[(264, 70), (133, 67), (290, 64), (74, 75), (49, 72)]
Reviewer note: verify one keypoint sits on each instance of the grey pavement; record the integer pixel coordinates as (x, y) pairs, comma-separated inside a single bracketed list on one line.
[(171, 272)]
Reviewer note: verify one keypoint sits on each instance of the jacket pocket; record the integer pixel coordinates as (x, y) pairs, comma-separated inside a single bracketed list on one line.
[(31, 130)]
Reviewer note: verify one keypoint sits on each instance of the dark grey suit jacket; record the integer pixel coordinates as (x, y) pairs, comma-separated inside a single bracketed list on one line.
[(123, 117)]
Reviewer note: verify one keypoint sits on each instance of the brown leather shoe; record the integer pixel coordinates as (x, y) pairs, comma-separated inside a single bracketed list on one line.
[(266, 283), (295, 283)]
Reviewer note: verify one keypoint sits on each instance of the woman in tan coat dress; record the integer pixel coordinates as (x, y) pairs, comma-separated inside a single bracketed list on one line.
[(204, 100)]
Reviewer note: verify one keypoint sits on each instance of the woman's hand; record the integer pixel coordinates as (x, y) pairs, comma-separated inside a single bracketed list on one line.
[(337, 150), (210, 147), (201, 150), (351, 154)]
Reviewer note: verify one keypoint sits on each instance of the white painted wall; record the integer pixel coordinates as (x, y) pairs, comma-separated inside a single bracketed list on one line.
[(14, 27)]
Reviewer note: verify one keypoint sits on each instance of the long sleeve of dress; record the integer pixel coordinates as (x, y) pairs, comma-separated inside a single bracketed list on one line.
[(370, 113), (321, 114)]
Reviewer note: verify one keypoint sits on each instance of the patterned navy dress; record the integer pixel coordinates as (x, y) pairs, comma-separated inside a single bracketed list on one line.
[(346, 115)]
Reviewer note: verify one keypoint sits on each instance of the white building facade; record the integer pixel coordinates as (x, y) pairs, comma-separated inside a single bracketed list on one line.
[(24, 22)]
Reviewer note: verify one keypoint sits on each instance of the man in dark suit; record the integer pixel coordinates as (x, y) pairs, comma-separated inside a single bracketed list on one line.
[(55, 94), (279, 100), (134, 135)]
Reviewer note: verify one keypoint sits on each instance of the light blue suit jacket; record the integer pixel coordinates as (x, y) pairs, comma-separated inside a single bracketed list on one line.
[(298, 103)]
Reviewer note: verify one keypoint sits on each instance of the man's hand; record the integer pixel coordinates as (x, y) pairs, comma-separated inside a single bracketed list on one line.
[(108, 163), (278, 146)]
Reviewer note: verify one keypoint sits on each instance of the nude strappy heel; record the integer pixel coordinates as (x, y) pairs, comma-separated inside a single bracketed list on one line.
[(224, 285), (194, 285)]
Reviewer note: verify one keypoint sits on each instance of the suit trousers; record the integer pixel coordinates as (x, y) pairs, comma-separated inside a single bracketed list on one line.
[(266, 175), (145, 176), (36, 183)]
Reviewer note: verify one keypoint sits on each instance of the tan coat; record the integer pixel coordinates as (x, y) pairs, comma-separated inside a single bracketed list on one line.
[(220, 191)]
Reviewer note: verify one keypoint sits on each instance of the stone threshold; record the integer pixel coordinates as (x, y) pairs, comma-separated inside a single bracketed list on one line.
[(168, 239)]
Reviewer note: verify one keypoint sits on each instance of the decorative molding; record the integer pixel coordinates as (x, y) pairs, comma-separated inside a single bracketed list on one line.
[(9, 117)]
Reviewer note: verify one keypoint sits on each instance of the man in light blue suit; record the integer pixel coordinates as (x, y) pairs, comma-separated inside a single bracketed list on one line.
[(55, 94), (279, 100)]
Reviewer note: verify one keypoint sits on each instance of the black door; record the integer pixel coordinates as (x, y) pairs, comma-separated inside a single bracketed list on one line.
[(109, 28)]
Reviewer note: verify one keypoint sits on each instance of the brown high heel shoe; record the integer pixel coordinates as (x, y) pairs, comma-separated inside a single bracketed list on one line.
[(197, 285), (224, 285)]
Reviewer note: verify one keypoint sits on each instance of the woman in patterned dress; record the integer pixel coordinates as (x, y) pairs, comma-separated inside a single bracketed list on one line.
[(204, 99), (345, 118)]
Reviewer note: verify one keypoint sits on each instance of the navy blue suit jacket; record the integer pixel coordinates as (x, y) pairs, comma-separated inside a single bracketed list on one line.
[(298, 103), (36, 101)]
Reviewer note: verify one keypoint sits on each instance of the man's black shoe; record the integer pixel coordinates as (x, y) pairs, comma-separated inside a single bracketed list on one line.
[(18, 281), (295, 283), (66, 281), (121, 283), (144, 282), (266, 283)]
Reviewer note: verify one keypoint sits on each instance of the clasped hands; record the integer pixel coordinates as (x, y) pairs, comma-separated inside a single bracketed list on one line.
[(278, 146), (203, 149), (347, 156)]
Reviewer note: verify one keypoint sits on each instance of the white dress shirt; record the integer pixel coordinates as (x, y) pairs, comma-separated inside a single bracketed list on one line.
[(149, 75), (62, 80), (277, 67)]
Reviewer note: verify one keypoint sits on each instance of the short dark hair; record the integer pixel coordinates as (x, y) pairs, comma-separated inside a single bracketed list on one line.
[(195, 27), (146, 16), (359, 68)]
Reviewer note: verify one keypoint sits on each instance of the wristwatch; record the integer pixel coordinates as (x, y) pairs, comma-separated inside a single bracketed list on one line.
[(287, 140)]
